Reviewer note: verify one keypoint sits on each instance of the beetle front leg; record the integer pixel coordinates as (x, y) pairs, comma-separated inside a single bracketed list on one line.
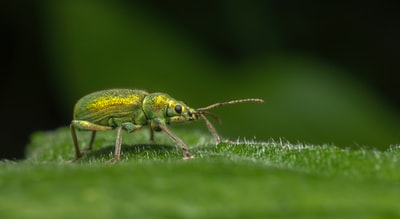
[(211, 128), (163, 127)]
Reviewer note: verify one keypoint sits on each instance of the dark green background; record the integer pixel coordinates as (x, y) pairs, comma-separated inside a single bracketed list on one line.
[(328, 71)]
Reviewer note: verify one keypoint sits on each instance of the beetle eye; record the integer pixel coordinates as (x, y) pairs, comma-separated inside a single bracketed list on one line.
[(178, 109)]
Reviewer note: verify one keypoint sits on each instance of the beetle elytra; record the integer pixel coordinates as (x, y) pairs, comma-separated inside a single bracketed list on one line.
[(130, 109)]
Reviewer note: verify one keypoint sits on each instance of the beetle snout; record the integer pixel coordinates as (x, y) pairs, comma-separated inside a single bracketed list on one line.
[(193, 115)]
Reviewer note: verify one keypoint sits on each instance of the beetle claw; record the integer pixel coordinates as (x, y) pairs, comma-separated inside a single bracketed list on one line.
[(113, 160), (188, 157)]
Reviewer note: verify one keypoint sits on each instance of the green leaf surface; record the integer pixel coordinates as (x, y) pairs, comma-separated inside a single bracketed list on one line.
[(245, 179)]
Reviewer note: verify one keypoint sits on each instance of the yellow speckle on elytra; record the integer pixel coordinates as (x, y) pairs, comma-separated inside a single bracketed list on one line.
[(109, 101)]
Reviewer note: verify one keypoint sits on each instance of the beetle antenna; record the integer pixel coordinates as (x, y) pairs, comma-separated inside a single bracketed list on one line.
[(215, 105)]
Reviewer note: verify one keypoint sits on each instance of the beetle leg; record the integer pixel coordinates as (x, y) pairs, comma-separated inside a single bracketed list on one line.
[(118, 142), (211, 128), (152, 136), (90, 147), (186, 154), (129, 127), (87, 126), (75, 140)]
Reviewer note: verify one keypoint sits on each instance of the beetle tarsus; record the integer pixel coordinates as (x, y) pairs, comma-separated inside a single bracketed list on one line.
[(187, 155)]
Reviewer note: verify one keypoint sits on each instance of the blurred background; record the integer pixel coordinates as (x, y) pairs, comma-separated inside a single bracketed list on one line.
[(328, 72)]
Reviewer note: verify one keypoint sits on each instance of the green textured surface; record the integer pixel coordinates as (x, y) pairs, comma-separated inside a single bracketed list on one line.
[(246, 180)]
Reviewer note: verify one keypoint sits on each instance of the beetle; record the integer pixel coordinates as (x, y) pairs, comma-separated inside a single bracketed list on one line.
[(130, 109)]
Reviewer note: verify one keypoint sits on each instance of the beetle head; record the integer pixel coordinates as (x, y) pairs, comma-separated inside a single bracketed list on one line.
[(163, 106), (177, 111)]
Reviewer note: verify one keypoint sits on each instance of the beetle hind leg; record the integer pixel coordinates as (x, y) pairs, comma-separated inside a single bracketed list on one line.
[(78, 153), (86, 126)]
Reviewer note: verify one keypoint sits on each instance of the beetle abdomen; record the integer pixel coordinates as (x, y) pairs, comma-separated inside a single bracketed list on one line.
[(122, 104)]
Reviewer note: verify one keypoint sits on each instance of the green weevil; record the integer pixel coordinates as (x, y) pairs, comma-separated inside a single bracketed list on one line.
[(130, 109)]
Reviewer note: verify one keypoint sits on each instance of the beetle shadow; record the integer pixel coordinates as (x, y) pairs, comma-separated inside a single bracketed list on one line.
[(136, 149)]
